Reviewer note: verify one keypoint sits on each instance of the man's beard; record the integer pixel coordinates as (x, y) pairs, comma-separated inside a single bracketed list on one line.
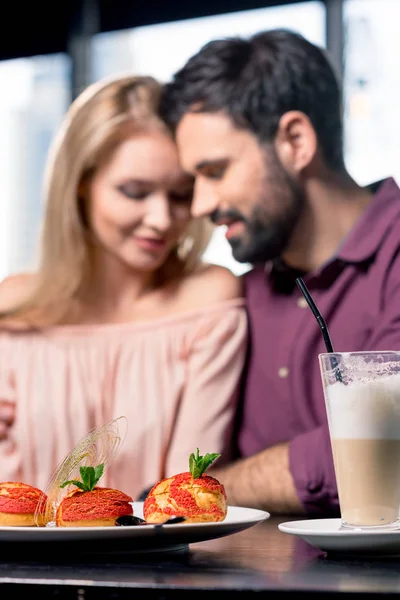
[(268, 231)]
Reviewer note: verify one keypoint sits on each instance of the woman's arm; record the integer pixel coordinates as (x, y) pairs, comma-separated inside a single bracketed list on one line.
[(207, 410)]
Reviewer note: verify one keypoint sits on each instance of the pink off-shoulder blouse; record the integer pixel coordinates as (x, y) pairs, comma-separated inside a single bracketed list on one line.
[(175, 379)]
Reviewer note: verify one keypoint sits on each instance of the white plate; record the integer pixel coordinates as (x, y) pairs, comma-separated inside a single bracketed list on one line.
[(141, 538), (327, 535)]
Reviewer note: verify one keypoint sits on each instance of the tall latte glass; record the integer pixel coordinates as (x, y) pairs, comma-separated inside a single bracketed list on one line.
[(362, 398)]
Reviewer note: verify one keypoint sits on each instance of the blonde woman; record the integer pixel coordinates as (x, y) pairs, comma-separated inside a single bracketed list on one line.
[(121, 317)]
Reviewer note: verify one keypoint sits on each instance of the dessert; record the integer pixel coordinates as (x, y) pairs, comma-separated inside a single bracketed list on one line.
[(197, 497), (97, 447), (91, 505), (18, 505)]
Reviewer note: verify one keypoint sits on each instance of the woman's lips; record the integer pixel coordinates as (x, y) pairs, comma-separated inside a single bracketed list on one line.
[(152, 244)]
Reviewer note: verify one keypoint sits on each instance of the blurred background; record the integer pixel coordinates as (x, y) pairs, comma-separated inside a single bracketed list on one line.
[(48, 54)]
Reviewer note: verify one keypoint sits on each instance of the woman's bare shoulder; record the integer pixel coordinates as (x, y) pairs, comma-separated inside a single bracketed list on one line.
[(14, 289), (219, 281), (209, 285)]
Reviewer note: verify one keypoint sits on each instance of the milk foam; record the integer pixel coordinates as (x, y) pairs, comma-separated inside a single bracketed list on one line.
[(365, 410)]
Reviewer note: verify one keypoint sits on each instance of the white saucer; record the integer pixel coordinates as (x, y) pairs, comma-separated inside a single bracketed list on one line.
[(327, 535)]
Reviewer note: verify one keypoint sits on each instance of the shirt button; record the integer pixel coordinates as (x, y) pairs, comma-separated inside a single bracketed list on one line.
[(283, 372), (302, 302)]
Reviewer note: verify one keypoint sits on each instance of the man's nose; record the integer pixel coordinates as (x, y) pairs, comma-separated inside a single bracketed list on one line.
[(205, 199)]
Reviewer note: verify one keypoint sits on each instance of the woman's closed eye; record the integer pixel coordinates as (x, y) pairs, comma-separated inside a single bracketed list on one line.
[(133, 191), (140, 191)]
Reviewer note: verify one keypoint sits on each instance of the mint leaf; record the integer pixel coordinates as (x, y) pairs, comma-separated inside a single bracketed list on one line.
[(90, 476), (78, 484), (199, 464), (193, 460), (87, 474), (208, 460), (98, 471)]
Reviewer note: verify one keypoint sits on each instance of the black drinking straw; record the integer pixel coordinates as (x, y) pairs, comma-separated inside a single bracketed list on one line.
[(321, 322)]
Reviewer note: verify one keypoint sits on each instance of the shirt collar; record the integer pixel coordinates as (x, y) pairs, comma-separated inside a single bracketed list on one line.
[(370, 230), (360, 245)]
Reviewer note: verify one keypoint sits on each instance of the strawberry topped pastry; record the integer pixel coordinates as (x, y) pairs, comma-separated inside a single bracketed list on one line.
[(18, 504), (90, 505), (198, 497)]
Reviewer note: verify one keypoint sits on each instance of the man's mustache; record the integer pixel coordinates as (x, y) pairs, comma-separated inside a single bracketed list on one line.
[(227, 215)]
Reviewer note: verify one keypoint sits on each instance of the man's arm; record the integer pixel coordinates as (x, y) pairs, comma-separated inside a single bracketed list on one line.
[(262, 481)]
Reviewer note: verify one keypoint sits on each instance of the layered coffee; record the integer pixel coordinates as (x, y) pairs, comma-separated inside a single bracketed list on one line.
[(364, 424)]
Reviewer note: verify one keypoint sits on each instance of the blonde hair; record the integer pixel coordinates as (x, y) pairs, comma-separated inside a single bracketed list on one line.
[(97, 122)]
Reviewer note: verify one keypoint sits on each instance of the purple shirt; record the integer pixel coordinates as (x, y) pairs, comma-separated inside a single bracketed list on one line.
[(358, 294)]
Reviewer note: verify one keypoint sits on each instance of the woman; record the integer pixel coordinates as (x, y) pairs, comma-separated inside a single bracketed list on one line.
[(121, 316)]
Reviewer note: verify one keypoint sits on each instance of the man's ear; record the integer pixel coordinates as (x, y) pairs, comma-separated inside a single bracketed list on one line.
[(295, 141)]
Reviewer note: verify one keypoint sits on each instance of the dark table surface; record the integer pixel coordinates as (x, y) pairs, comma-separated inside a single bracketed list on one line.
[(258, 561)]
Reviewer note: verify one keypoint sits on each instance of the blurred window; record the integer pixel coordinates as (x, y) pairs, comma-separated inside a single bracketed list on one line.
[(35, 93), (372, 89)]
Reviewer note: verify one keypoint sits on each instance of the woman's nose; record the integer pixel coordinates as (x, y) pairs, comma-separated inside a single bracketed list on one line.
[(158, 212)]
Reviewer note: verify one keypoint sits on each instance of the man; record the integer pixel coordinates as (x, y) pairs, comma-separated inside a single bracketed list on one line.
[(258, 123)]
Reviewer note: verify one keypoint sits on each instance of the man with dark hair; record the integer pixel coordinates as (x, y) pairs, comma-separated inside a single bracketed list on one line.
[(258, 123)]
